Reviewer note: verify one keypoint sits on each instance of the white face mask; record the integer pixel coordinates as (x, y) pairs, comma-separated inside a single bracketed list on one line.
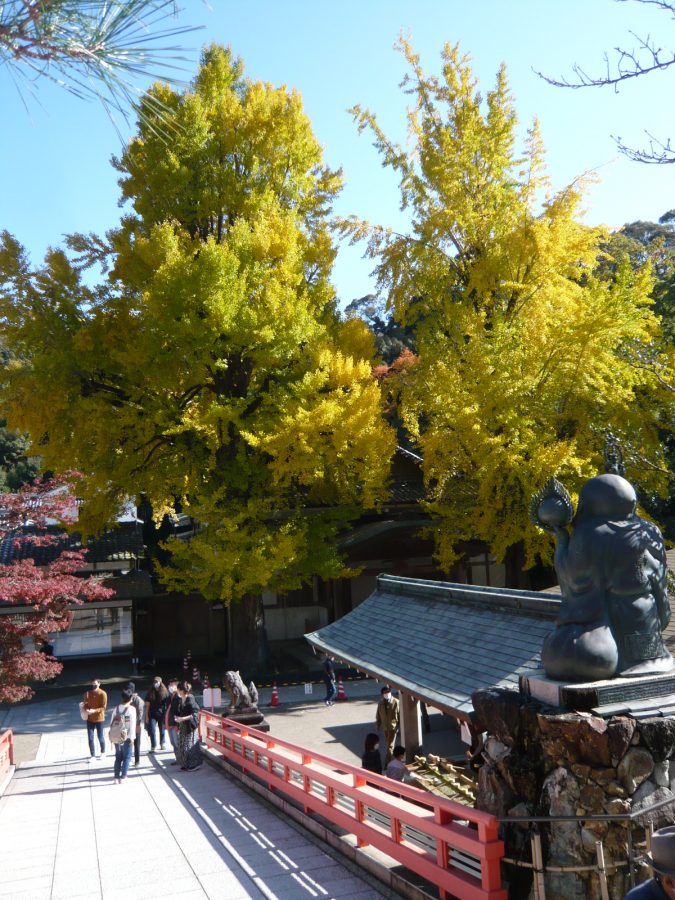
[(156, 684), (387, 696), (172, 688)]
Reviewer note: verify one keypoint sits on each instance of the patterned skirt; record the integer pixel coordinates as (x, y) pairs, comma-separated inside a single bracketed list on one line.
[(188, 751)]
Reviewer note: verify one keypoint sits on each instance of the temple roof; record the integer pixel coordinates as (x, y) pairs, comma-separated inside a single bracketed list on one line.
[(440, 641)]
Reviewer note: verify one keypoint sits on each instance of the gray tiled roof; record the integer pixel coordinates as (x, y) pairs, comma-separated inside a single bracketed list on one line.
[(439, 641), (125, 542)]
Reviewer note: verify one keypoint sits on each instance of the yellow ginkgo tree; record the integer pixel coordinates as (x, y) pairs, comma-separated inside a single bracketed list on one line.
[(528, 351), (209, 368)]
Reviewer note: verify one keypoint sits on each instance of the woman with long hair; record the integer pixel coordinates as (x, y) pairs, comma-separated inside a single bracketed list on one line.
[(188, 751), (371, 759)]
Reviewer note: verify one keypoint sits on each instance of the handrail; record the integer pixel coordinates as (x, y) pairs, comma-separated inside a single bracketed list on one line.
[(455, 847), (6, 752)]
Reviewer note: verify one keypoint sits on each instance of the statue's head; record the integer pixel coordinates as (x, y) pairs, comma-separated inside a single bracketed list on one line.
[(606, 497)]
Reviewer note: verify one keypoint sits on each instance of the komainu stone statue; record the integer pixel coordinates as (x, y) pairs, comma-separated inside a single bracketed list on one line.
[(611, 566), (241, 698)]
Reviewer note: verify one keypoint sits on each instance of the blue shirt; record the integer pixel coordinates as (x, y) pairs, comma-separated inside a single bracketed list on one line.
[(648, 890)]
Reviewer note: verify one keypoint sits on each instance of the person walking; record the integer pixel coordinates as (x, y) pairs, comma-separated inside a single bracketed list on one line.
[(188, 752), (156, 702), (95, 702), (122, 731), (139, 706), (387, 720), (661, 859), (170, 725), (371, 759), (329, 680)]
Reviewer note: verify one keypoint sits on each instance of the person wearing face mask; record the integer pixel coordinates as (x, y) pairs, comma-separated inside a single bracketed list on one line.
[(156, 702), (170, 725), (95, 702), (387, 720)]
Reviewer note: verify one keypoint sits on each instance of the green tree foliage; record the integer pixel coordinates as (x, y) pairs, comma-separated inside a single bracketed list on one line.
[(17, 468), (209, 367), (654, 243), (525, 352)]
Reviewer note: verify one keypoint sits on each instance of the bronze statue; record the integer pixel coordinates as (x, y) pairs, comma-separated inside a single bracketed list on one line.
[(612, 573)]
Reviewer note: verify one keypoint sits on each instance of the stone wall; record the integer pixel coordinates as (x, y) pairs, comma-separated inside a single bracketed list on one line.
[(544, 761)]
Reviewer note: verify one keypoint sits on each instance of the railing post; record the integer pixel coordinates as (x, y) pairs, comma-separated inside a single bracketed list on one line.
[(538, 867), (442, 855), (602, 871), (270, 763), (306, 780), (11, 747), (631, 859), (359, 810)]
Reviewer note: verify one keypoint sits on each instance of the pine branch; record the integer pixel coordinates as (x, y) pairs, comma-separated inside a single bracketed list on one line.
[(92, 48)]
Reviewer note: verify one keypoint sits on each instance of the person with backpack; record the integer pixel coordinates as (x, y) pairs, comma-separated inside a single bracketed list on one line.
[(94, 705), (122, 731), (188, 752), (139, 706)]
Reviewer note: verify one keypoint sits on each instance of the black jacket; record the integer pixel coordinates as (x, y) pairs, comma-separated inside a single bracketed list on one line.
[(372, 761)]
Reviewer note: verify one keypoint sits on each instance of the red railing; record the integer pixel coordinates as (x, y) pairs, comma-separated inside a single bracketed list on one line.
[(6, 753), (455, 847)]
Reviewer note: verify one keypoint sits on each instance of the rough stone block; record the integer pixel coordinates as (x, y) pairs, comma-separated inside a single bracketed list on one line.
[(636, 766), (659, 736)]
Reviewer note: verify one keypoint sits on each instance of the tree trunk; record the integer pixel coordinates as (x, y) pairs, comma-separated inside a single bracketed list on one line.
[(247, 639)]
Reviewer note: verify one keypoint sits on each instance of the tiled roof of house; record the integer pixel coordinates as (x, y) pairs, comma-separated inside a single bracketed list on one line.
[(440, 641), (122, 543)]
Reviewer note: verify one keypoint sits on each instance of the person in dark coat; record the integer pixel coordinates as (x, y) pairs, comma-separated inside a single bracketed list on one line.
[(156, 702), (371, 759), (662, 861), (329, 681), (170, 725), (188, 751)]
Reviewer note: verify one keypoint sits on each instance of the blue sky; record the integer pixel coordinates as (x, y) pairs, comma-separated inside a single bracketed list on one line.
[(55, 173)]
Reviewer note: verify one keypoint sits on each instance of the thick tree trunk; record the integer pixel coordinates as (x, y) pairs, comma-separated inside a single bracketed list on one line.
[(247, 639)]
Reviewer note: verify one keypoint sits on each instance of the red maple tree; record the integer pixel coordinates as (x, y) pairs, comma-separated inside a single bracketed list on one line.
[(27, 529)]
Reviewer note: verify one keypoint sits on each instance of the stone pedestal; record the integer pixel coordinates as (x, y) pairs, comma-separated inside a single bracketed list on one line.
[(543, 761), (251, 717), (615, 696)]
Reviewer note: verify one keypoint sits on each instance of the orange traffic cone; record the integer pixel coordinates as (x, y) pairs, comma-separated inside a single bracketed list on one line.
[(341, 695), (195, 675), (275, 695), (206, 680)]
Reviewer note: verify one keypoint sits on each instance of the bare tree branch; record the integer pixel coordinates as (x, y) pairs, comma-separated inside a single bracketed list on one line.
[(645, 58)]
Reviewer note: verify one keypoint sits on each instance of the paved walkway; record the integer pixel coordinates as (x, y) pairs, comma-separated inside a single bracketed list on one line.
[(68, 831)]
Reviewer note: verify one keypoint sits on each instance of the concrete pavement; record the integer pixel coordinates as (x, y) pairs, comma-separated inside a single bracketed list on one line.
[(67, 831)]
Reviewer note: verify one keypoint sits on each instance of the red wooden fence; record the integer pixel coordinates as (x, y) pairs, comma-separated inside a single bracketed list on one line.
[(6, 753), (455, 847)]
